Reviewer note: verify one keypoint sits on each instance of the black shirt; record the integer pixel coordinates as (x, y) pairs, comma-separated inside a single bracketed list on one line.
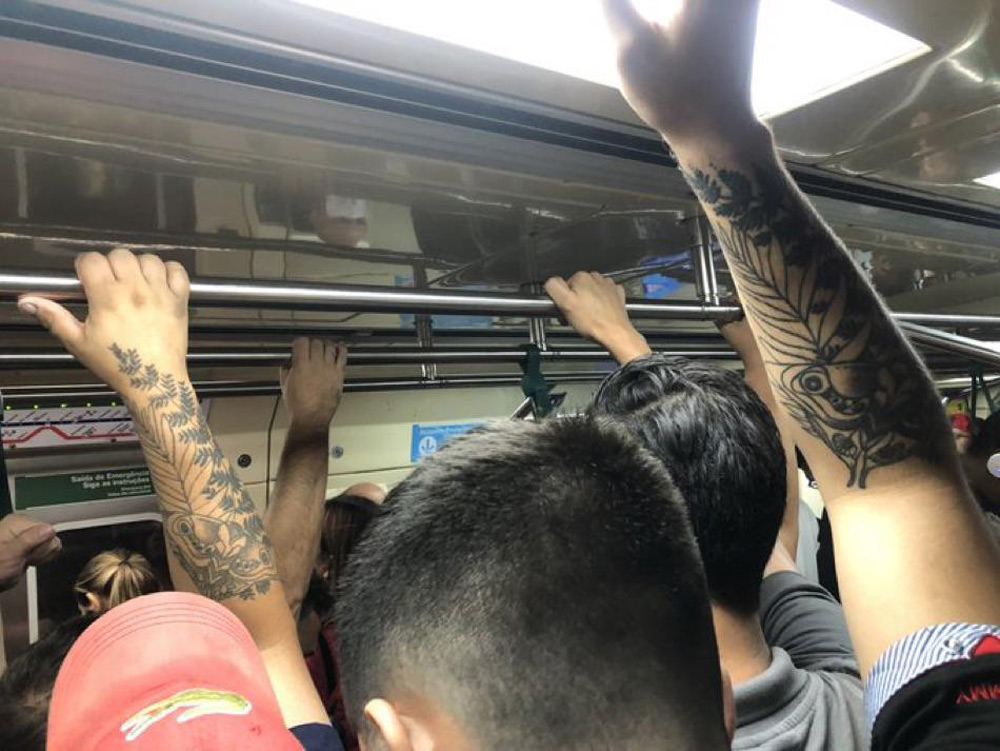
[(316, 737), (953, 706)]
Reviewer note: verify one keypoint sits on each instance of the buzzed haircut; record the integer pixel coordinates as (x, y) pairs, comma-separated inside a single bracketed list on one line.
[(722, 447), (540, 584)]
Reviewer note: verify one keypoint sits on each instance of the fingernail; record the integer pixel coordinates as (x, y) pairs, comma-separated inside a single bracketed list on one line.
[(44, 532), (26, 306)]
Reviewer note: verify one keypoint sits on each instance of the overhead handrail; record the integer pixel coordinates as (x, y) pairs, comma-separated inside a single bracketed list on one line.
[(360, 298), (28, 359), (372, 299), (64, 395), (281, 295), (975, 350)]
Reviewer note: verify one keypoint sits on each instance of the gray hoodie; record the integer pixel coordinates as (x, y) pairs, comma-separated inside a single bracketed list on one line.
[(810, 698)]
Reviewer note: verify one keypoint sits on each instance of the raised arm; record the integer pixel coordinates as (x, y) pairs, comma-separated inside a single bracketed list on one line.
[(911, 545), (739, 335), (135, 340), (311, 387), (595, 307)]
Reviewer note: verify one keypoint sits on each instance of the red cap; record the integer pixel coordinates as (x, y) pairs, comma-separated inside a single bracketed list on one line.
[(166, 671)]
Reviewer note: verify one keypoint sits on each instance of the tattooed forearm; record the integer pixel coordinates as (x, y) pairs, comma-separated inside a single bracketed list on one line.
[(844, 371), (211, 524)]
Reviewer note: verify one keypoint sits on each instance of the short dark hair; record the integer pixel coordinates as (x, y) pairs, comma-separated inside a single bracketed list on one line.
[(26, 686), (721, 446), (540, 582)]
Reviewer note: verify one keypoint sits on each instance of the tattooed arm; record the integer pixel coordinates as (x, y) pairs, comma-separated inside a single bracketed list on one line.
[(311, 387), (911, 544), (135, 340)]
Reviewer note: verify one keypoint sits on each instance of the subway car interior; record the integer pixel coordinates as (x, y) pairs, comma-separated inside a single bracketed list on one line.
[(405, 183)]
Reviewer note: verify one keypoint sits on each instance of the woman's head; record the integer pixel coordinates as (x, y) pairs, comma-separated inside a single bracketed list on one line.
[(112, 577), (344, 521)]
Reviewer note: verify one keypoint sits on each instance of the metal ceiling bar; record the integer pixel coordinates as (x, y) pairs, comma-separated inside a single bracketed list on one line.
[(700, 259), (368, 299), (31, 359), (973, 349), (948, 320), (259, 330), (28, 359), (424, 326), (618, 275), (75, 394), (285, 296), (623, 275), (709, 251)]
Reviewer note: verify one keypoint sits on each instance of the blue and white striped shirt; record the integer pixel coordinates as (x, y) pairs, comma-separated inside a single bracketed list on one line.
[(915, 655)]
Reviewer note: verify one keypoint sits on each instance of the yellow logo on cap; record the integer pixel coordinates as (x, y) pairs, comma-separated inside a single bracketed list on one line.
[(197, 702)]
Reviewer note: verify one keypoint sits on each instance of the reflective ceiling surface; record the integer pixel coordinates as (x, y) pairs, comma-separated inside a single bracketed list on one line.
[(248, 183), (931, 124)]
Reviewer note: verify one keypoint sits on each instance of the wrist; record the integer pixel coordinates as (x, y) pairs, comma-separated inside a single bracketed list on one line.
[(626, 346), (728, 138), (309, 428)]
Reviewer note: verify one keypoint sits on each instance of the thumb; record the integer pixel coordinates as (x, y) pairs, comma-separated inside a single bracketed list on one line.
[(623, 20), (45, 552), (32, 537), (53, 316)]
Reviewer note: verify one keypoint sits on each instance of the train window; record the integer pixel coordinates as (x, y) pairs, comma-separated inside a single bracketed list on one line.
[(53, 600), (89, 193)]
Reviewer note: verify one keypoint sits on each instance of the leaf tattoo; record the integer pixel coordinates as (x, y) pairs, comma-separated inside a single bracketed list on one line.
[(212, 525), (846, 374)]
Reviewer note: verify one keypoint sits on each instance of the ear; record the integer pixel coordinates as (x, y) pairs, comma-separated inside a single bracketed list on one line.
[(397, 731), (728, 705), (94, 604)]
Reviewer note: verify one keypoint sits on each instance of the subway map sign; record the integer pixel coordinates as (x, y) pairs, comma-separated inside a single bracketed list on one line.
[(66, 426), (53, 427)]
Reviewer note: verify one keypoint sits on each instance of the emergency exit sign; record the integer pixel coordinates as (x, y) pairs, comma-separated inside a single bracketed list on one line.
[(32, 491)]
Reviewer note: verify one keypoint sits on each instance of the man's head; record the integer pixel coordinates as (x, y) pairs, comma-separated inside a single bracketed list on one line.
[(26, 686), (723, 451), (531, 586)]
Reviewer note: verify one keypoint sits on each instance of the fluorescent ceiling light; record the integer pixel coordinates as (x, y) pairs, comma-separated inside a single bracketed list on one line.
[(809, 49), (990, 181), (806, 49)]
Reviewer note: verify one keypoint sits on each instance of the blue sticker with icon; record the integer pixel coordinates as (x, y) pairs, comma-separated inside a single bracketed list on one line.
[(427, 439)]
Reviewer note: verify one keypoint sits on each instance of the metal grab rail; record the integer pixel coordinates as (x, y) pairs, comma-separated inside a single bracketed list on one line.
[(371, 299), (21, 397), (358, 298), (983, 352), (392, 300), (28, 359)]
